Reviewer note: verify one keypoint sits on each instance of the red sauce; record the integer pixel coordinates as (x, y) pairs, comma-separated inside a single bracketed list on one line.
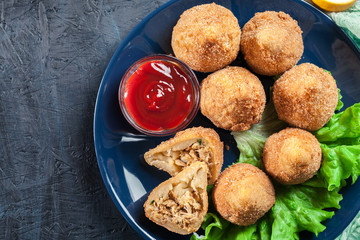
[(158, 95)]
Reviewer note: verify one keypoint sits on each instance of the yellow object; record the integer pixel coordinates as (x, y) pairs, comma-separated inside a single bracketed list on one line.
[(334, 5)]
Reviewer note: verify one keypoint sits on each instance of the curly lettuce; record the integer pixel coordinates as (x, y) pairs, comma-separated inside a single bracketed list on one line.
[(340, 145), (342, 126), (339, 163), (303, 206), (297, 208)]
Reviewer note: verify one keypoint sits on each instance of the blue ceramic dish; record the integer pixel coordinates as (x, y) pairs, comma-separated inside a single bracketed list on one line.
[(120, 148)]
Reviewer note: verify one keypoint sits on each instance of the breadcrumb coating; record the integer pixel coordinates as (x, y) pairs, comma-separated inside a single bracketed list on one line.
[(243, 193), (232, 98), (206, 37), (271, 43), (292, 156), (305, 96)]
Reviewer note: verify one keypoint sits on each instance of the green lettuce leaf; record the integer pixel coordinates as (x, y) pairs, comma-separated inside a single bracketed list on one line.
[(343, 125), (251, 142), (340, 147), (339, 163), (297, 207), (215, 227)]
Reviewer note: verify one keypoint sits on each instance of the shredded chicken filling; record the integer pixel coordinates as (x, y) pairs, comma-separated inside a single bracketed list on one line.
[(180, 208), (182, 157), (195, 152)]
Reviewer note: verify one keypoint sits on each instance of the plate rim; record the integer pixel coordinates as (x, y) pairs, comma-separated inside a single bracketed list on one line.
[(118, 203)]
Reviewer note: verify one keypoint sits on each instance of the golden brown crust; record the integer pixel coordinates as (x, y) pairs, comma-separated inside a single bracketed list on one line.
[(206, 37), (305, 96), (180, 203), (232, 98), (243, 193), (187, 146), (271, 43), (292, 156)]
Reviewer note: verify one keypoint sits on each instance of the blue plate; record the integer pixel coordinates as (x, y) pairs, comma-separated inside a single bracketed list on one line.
[(120, 148)]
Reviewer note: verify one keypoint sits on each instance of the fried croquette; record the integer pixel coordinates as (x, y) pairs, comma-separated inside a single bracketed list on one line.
[(181, 202), (271, 43), (188, 146), (292, 156), (243, 193), (206, 37), (305, 96), (232, 98)]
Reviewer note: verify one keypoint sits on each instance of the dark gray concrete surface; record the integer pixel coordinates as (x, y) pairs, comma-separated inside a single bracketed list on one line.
[(52, 58)]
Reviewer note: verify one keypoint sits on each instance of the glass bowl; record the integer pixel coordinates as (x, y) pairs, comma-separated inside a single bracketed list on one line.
[(159, 95)]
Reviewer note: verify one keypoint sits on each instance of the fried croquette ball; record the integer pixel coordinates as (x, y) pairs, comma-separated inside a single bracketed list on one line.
[(271, 43), (305, 96), (206, 37), (243, 193), (292, 156), (232, 98)]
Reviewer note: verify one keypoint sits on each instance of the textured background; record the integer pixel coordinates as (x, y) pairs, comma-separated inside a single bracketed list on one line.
[(52, 58)]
